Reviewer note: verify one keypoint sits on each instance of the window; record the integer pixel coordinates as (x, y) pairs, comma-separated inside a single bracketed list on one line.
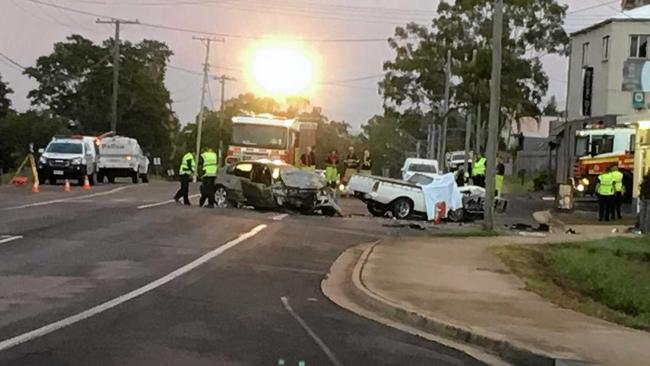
[(582, 146), (639, 46), (605, 48), (585, 53), (602, 144), (243, 170)]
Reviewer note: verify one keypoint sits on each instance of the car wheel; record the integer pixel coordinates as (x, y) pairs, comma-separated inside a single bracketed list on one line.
[(329, 211), (221, 197), (376, 209), (456, 215), (402, 208), (144, 178)]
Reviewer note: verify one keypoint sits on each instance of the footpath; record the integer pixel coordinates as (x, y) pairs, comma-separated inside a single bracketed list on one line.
[(457, 289)]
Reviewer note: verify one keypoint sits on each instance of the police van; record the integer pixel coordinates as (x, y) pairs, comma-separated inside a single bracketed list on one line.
[(121, 156), (69, 157)]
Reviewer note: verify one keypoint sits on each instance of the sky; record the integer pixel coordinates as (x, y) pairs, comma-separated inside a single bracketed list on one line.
[(347, 37)]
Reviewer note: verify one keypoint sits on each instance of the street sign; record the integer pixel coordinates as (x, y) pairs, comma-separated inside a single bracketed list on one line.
[(156, 161), (638, 100)]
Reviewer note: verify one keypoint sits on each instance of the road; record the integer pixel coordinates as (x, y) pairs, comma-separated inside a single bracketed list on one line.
[(121, 276)]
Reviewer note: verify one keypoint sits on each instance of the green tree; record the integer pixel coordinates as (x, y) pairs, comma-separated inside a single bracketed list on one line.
[(551, 108), (414, 79), (5, 102), (75, 82)]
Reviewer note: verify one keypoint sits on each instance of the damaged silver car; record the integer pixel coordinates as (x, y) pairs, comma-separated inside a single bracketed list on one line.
[(273, 185)]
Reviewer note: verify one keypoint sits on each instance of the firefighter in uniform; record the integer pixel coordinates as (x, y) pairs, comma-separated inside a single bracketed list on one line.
[(605, 192), (209, 166), (478, 171), (185, 171), (617, 177)]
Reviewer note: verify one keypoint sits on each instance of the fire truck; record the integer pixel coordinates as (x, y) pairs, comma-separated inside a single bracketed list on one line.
[(599, 148), (269, 137)]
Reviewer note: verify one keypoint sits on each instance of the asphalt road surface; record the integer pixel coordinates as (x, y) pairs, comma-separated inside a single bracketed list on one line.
[(120, 275)]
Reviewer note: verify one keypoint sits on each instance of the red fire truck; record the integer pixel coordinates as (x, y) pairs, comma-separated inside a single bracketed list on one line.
[(599, 148), (269, 137)]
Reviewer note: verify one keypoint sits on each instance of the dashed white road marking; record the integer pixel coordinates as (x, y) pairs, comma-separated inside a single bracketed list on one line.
[(49, 328), (8, 238), (314, 336), (279, 217), (163, 203), (84, 197)]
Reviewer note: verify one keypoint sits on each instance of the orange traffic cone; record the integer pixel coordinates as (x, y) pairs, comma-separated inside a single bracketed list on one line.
[(35, 187), (66, 186), (86, 183)]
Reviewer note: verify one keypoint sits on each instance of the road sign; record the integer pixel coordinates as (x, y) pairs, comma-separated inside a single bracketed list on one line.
[(156, 161), (638, 100)]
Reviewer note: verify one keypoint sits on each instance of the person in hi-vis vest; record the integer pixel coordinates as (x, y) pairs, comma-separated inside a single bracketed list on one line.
[(208, 164), (185, 172)]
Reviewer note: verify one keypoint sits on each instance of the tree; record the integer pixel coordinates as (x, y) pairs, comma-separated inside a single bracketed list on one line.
[(551, 109), (75, 82), (414, 79), (5, 102)]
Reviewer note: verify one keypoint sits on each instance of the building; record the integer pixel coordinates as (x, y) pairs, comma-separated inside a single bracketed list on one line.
[(530, 137), (609, 77)]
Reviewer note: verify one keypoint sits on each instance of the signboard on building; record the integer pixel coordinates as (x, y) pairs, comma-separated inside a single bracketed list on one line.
[(587, 90), (636, 75)]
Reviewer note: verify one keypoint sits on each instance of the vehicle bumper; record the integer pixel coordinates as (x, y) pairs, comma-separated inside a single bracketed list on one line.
[(117, 172), (68, 172)]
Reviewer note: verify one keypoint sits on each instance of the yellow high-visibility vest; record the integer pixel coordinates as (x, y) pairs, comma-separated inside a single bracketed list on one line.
[(606, 187)]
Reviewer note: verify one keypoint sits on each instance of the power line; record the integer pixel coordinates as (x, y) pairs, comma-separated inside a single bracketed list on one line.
[(13, 62), (592, 7), (209, 33)]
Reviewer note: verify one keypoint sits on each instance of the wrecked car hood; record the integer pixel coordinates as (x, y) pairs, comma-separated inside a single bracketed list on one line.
[(303, 180)]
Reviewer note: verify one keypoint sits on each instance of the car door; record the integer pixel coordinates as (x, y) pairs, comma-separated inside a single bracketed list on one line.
[(233, 178), (257, 189)]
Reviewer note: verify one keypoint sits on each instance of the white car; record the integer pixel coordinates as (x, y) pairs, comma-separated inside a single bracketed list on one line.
[(68, 158), (121, 156), (381, 195), (456, 159), (407, 198), (414, 166)]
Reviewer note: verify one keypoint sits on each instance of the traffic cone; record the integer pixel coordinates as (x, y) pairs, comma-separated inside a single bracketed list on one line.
[(66, 186), (35, 187), (86, 183)]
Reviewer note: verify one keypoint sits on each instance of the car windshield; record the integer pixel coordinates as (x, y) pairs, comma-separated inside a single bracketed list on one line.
[(422, 168), (272, 137), (460, 156), (420, 179), (64, 148)]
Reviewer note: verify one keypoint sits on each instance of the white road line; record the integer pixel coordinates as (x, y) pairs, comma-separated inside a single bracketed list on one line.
[(44, 330), (314, 336), (279, 217), (163, 203), (8, 238), (44, 203)]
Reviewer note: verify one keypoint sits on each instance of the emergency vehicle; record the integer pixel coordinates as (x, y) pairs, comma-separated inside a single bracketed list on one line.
[(598, 148), (269, 137)]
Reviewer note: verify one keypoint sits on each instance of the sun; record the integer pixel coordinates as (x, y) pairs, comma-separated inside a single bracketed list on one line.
[(281, 69)]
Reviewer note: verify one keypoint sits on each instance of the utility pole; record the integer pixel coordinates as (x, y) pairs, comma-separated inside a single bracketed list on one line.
[(445, 120), (468, 135), (495, 112), (222, 79), (206, 69), (116, 65), (479, 129)]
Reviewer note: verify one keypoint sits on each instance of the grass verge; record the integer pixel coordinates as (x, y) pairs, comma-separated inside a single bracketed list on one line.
[(608, 279)]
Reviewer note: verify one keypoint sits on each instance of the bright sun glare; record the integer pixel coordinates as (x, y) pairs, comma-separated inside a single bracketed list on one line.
[(281, 69)]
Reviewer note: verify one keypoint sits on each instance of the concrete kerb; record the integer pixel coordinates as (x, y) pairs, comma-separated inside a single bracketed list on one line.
[(504, 349)]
